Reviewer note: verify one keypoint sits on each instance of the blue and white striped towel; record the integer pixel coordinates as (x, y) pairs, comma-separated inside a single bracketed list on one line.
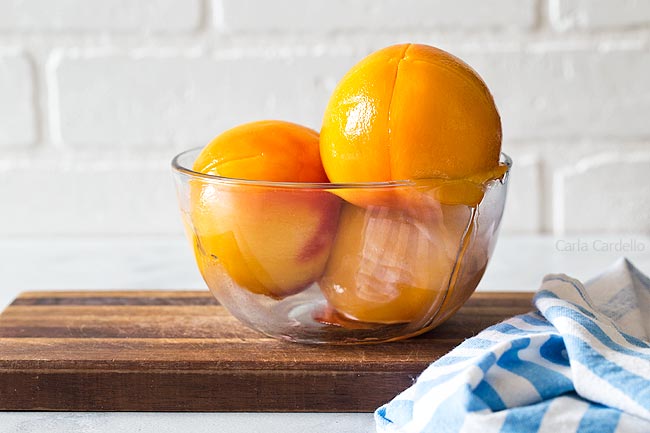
[(581, 363)]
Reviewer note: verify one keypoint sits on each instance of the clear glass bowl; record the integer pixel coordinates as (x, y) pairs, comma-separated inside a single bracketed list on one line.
[(340, 263)]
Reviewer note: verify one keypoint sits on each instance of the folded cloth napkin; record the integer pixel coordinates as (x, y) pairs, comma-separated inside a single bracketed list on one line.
[(581, 363)]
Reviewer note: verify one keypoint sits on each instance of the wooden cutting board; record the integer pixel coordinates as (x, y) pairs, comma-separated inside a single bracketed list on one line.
[(181, 351)]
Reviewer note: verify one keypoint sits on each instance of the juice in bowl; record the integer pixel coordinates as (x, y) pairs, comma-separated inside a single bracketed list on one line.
[(377, 229)]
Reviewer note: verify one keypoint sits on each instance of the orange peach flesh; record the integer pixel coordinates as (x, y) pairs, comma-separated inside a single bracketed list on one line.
[(271, 241), (274, 243), (410, 112), (387, 266)]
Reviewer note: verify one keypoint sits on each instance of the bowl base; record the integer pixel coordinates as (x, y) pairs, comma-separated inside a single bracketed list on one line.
[(308, 319)]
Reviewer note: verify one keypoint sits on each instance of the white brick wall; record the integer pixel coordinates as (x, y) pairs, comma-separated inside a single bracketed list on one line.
[(522, 213), (17, 111), (112, 100), (99, 15), (351, 15), (599, 14), (560, 93), (87, 197), (613, 192), (97, 95)]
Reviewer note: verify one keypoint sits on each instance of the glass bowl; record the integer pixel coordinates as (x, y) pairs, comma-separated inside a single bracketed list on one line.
[(340, 263)]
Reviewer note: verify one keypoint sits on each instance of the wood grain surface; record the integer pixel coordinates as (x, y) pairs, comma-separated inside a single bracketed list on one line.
[(181, 351)]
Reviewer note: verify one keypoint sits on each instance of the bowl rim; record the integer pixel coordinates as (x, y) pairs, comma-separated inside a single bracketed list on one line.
[(178, 168)]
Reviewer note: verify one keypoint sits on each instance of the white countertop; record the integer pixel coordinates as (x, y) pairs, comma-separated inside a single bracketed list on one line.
[(519, 263), (133, 422)]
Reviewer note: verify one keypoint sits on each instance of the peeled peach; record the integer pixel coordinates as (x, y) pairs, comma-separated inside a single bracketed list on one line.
[(270, 240), (389, 267), (417, 114), (265, 150), (410, 112)]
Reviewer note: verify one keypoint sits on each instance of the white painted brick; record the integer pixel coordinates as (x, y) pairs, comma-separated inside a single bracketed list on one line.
[(17, 111), (158, 101), (128, 101), (599, 14), (523, 203), (568, 94), (335, 15), (608, 192), (100, 15), (56, 198)]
